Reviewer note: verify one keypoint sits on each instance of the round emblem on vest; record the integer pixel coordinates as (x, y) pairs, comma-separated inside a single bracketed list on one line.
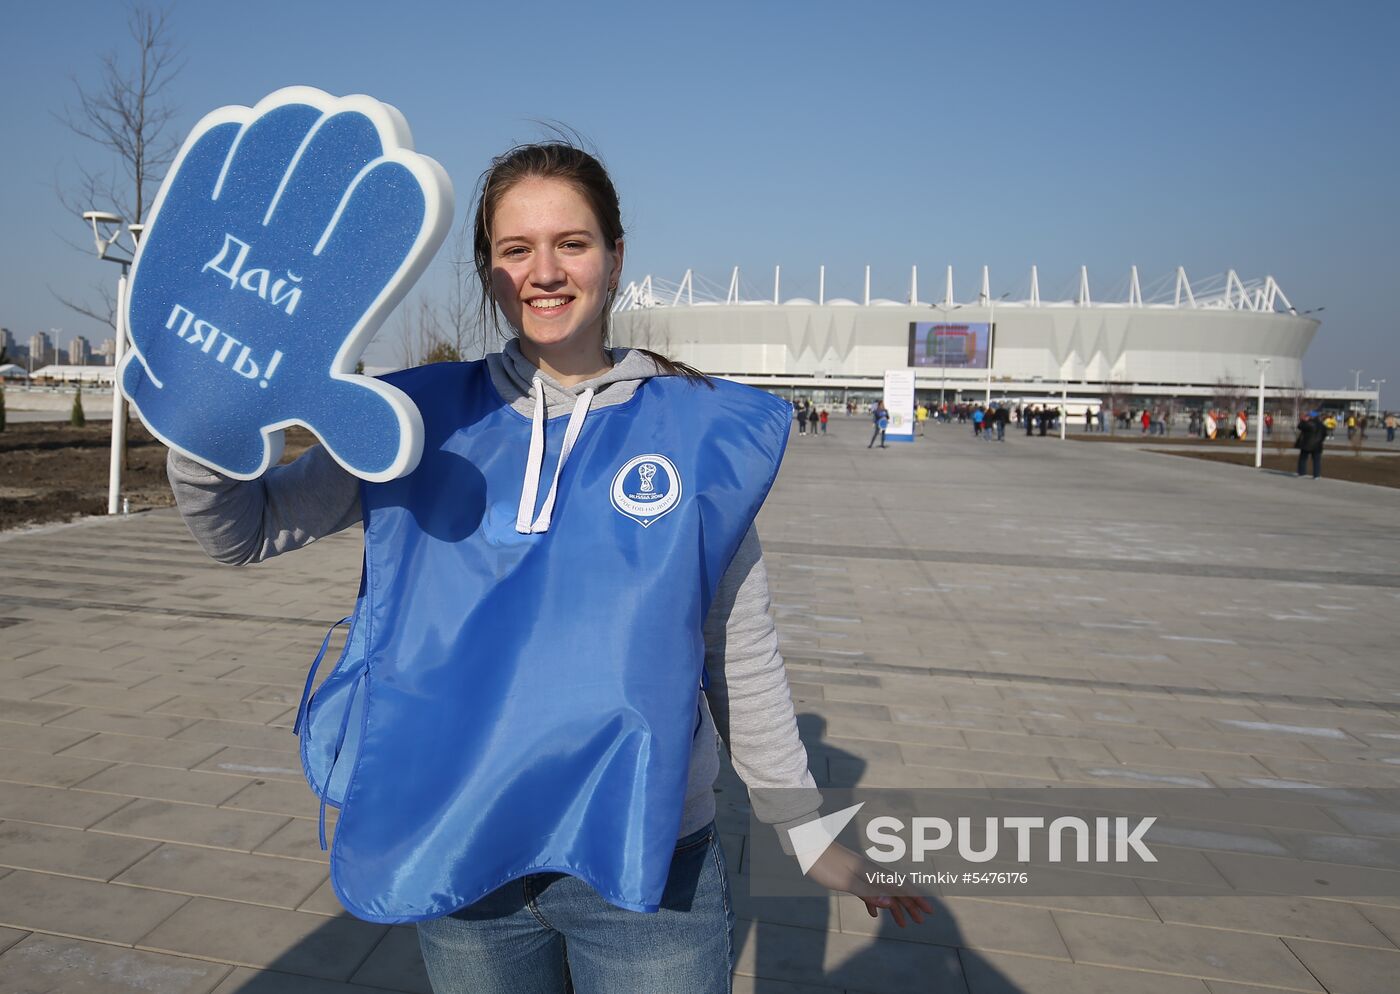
[(645, 488)]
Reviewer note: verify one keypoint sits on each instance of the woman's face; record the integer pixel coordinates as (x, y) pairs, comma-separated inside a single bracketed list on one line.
[(551, 268)]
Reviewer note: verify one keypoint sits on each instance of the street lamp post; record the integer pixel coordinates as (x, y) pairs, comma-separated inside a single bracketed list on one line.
[(991, 343), (1263, 365), (944, 310), (1356, 382), (107, 232), (1376, 386)]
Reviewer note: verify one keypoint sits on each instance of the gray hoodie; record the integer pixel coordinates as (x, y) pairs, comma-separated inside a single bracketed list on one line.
[(749, 703)]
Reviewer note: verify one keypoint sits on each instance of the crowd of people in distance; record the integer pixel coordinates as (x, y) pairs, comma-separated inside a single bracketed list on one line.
[(990, 422), (810, 419)]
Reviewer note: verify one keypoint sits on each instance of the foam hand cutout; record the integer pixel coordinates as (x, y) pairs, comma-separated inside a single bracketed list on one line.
[(281, 239)]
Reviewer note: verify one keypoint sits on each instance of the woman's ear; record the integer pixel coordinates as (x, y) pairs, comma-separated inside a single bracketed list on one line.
[(615, 276)]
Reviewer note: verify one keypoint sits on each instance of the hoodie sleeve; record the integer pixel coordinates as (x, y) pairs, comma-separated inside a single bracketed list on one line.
[(239, 522), (749, 695)]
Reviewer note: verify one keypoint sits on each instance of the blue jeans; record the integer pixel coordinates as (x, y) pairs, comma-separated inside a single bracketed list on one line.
[(550, 933)]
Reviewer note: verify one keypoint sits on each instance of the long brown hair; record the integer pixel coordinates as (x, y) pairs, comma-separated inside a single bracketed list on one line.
[(561, 160)]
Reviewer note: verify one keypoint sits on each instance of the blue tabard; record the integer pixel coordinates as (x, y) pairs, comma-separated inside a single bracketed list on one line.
[(514, 703)]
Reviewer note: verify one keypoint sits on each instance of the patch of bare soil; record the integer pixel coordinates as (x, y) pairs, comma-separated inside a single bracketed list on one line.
[(1337, 464), (51, 471)]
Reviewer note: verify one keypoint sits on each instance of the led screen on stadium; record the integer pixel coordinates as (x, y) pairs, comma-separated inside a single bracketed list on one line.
[(948, 346)]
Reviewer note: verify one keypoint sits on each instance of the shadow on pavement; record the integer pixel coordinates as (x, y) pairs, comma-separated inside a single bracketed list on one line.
[(787, 941)]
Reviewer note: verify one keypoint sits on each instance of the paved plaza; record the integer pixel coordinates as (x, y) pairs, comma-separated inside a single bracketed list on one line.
[(954, 613)]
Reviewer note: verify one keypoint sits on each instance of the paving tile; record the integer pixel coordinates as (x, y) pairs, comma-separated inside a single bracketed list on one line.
[(262, 675), (1267, 875), (808, 956), (258, 712), (1039, 745), (329, 948), (753, 985), (8, 937), (396, 962), (165, 784), (54, 806), (893, 731), (199, 687), (977, 761), (804, 912), (323, 900), (142, 749), (46, 770), (113, 698), (962, 923), (1001, 973), (27, 688), (31, 738), (245, 981), (1385, 919), (49, 963), (158, 726), (83, 908), (1183, 950), (68, 851), (300, 838), (240, 733), (1332, 921), (286, 797), (193, 824), (1343, 969), (31, 712), (100, 676), (283, 764), (265, 880), (276, 694)]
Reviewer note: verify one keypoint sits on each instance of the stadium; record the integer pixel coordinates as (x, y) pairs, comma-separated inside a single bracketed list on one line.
[(1179, 342)]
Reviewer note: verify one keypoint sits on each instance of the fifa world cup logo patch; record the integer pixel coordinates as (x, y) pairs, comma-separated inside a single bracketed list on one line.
[(645, 488)]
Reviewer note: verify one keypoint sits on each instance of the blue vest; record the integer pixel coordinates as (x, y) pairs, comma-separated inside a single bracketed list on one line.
[(514, 703)]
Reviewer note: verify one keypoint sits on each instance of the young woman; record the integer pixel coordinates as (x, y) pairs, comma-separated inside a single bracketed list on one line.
[(563, 607)]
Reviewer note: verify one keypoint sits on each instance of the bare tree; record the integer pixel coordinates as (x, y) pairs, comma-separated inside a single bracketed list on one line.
[(1230, 396), (446, 329), (125, 113), (1115, 395)]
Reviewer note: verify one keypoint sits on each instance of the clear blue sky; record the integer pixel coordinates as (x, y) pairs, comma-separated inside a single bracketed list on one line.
[(1255, 134)]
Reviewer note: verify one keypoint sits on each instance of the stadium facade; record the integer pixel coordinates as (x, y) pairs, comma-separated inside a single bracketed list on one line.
[(1179, 341)]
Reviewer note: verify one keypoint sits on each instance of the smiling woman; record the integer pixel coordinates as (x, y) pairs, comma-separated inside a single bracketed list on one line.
[(553, 273), (522, 731)]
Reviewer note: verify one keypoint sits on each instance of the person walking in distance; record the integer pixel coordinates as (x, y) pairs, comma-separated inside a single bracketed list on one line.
[(881, 419), (1312, 433), (824, 417)]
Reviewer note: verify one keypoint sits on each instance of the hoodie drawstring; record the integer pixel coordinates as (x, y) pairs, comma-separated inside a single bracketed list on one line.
[(534, 462)]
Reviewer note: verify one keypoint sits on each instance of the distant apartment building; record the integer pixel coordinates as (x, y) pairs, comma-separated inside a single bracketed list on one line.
[(106, 351), (79, 351), (7, 342), (41, 349)]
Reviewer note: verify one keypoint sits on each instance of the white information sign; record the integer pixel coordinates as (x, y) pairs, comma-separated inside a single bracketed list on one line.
[(899, 401)]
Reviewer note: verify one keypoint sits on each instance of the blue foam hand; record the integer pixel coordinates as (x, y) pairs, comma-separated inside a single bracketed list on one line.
[(281, 239)]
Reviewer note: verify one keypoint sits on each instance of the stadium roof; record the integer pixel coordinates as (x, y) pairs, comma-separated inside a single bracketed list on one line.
[(1224, 291)]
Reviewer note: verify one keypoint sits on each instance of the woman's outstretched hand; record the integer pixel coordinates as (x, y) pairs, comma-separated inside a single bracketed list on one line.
[(841, 869)]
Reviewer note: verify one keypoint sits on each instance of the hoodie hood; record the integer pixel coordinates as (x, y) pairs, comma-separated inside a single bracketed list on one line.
[(513, 376), (538, 396)]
